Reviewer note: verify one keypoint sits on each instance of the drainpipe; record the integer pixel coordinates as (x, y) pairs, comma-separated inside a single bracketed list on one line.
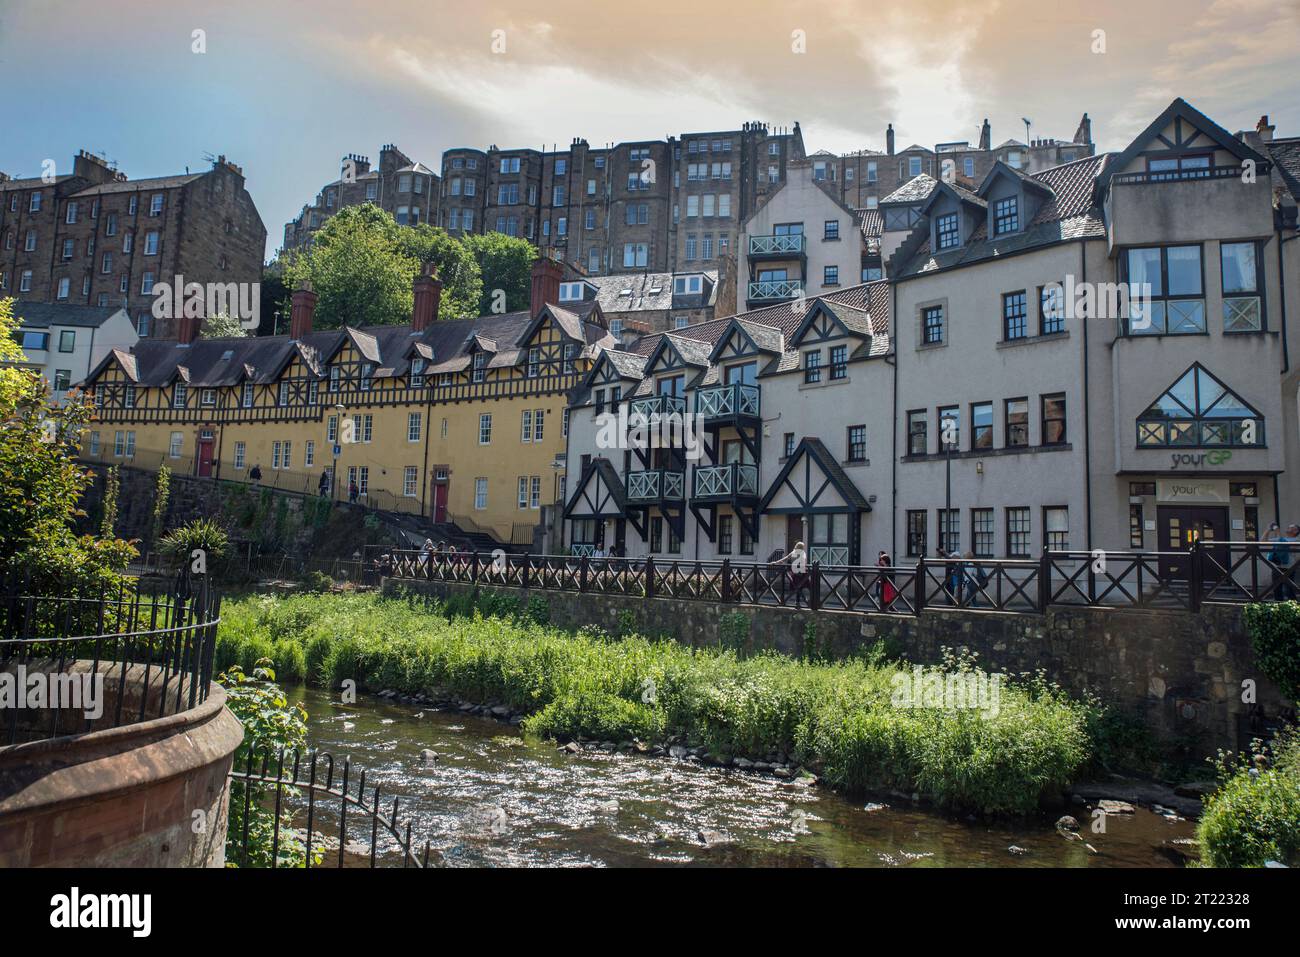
[(1087, 418), (1281, 278), (893, 461)]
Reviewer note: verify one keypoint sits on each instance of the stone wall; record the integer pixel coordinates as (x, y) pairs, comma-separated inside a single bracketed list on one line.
[(1181, 674), (131, 796)]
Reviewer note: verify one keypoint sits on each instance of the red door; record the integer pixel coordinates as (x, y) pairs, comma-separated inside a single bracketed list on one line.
[(205, 456), (440, 501)]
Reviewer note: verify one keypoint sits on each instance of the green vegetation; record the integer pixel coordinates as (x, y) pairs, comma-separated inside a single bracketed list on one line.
[(271, 726), (1274, 629), (201, 535), (43, 484), (835, 719), (505, 263), (362, 264), (161, 494), (1254, 816)]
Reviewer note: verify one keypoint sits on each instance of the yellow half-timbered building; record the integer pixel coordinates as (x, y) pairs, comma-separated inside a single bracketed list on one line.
[(461, 421)]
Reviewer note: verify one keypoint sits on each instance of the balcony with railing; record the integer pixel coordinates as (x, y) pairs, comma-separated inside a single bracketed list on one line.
[(654, 407), (785, 246), (774, 290), (653, 486), (731, 403), (732, 482)]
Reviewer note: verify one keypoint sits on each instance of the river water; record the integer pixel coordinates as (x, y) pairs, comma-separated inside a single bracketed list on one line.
[(497, 798)]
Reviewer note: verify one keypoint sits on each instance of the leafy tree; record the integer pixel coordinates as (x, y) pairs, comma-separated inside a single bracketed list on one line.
[(505, 263), (462, 285), (43, 485), (162, 493), (362, 264), (222, 326)]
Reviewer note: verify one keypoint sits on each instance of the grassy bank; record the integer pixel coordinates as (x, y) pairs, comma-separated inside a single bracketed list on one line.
[(1254, 816), (835, 718)]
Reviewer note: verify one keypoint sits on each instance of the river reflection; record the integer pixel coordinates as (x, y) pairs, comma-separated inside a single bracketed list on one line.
[(494, 798)]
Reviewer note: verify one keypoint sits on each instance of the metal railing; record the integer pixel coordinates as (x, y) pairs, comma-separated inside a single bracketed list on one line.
[(322, 797), (775, 289), (724, 481), (1230, 572), (655, 485), (786, 243), (117, 656), (724, 401)]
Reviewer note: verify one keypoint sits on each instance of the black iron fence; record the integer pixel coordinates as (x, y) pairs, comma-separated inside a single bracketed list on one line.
[(1233, 572), (287, 811), (86, 660)]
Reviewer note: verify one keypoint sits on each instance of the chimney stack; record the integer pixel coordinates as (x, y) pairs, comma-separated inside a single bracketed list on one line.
[(1084, 133), (986, 136), (889, 140), (428, 296), (1265, 129), (187, 329), (546, 284), (303, 309)]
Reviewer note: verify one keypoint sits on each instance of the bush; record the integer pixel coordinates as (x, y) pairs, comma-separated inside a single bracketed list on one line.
[(1274, 629), (835, 718), (202, 535), (1254, 816)]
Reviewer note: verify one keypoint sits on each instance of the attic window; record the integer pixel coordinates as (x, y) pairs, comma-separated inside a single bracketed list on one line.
[(570, 291), (1006, 216), (227, 355), (948, 231), (656, 290), (687, 285), (625, 292)]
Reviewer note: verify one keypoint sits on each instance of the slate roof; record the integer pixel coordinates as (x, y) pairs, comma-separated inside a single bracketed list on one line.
[(915, 190), (155, 362), (1070, 213), (864, 309), (649, 291), (42, 315), (132, 185), (1286, 154)]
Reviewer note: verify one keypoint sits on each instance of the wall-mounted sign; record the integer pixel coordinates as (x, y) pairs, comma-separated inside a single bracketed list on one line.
[(1213, 491), (1196, 460)]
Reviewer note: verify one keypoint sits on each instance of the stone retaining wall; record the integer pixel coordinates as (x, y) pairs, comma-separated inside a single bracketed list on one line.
[(1180, 673)]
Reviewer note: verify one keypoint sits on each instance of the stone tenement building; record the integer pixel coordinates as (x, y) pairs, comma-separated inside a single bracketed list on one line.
[(96, 238), (863, 179), (401, 186), (671, 205)]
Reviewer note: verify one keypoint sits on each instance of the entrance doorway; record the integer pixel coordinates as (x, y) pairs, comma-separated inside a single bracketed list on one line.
[(440, 494), (205, 454), (1181, 526)]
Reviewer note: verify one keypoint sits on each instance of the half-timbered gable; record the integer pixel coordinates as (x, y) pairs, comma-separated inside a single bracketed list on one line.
[(812, 486)]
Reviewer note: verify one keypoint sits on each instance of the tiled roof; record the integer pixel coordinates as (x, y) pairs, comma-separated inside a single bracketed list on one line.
[(871, 222), (915, 190), (32, 182), (42, 315)]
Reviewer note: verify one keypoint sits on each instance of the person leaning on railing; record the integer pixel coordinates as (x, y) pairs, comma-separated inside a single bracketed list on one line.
[(800, 580), (1280, 556)]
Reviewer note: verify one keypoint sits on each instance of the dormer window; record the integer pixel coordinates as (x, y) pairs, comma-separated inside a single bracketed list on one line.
[(417, 373), (570, 291), (687, 285), (1006, 216), (480, 363), (948, 230)]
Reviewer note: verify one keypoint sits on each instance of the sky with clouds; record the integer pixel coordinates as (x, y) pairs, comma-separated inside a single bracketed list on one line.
[(287, 87)]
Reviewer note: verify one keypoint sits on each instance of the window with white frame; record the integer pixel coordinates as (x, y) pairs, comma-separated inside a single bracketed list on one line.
[(480, 493), (309, 453), (485, 428), (410, 481), (413, 426), (174, 447)]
